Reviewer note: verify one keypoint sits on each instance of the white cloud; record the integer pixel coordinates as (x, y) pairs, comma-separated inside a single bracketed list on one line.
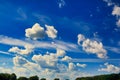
[(61, 3), (19, 61), (12, 41), (5, 70), (36, 32), (71, 66), (28, 49), (118, 23), (80, 38), (66, 58), (51, 31), (46, 61), (60, 53), (110, 68), (116, 11), (81, 65), (94, 47)]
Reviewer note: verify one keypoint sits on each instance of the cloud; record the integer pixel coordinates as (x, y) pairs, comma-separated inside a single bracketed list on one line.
[(49, 60), (71, 66), (19, 61), (109, 2), (28, 49), (81, 65), (12, 41), (116, 11), (80, 38), (51, 31), (66, 58), (67, 46), (118, 23), (92, 46), (61, 3), (110, 68), (36, 32), (5, 70)]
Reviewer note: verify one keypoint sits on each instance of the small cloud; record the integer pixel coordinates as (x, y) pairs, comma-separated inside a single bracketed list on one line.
[(118, 23), (51, 31), (81, 65), (61, 3), (80, 38), (28, 49), (110, 68), (36, 32), (116, 11), (66, 58)]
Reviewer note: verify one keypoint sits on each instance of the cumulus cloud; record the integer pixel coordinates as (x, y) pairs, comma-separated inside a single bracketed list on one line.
[(110, 68), (116, 11), (19, 61), (36, 32), (51, 31), (80, 38), (71, 66), (28, 49), (66, 58), (81, 65), (92, 46)]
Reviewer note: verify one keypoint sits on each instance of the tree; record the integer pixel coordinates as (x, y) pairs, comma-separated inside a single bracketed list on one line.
[(34, 78), (56, 79), (13, 76), (43, 79), (22, 78)]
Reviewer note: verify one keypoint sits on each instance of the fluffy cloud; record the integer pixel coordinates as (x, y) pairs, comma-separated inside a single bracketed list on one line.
[(92, 46), (66, 58), (80, 38), (51, 31), (81, 65), (116, 11), (60, 53), (36, 32), (71, 66), (28, 49), (110, 68), (19, 61)]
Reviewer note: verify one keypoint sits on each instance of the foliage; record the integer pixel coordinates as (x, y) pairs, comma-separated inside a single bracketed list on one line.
[(102, 77)]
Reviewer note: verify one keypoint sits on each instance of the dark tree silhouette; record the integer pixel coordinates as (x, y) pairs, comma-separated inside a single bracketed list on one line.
[(13, 76), (56, 79), (22, 78), (34, 78), (43, 79)]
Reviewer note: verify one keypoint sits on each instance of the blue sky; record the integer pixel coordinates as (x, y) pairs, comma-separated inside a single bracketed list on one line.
[(60, 38)]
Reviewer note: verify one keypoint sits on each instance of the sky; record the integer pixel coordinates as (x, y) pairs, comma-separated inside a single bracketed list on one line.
[(59, 38)]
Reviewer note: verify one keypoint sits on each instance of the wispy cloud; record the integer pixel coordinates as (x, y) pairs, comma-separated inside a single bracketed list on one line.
[(61, 3), (40, 44)]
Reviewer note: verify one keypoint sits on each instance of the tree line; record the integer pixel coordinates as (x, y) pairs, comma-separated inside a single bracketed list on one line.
[(6, 76)]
